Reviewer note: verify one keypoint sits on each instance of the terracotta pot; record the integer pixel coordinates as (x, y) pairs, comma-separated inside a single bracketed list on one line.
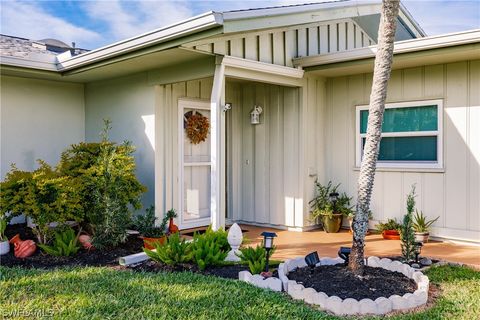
[(391, 235), (4, 247), (86, 241), (333, 224), (172, 227), (422, 236), (23, 248), (149, 243)]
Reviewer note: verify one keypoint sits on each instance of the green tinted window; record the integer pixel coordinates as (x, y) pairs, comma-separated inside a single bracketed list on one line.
[(422, 118), (407, 149)]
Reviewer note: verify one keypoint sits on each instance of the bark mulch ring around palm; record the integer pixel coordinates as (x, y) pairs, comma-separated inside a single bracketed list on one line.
[(337, 280)]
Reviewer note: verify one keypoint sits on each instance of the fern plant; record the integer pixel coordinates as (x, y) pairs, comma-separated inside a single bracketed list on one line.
[(210, 248), (407, 234), (174, 251), (255, 258), (65, 244)]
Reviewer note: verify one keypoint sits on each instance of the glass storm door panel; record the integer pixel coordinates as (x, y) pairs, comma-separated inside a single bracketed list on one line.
[(196, 166)]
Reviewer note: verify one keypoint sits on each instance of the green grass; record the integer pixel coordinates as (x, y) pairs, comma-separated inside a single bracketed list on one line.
[(102, 293)]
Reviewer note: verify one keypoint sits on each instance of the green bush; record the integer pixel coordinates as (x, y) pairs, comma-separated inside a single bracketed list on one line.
[(65, 244), (172, 252), (322, 205), (210, 248), (255, 258), (108, 186), (391, 224), (3, 227), (145, 224), (43, 195), (407, 234)]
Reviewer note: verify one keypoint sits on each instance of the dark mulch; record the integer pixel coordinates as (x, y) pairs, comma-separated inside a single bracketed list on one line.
[(105, 257), (337, 280)]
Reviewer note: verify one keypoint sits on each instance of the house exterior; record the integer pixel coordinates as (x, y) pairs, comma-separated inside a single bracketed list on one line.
[(309, 68)]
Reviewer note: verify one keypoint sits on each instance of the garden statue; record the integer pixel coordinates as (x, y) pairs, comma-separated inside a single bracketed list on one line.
[(234, 238)]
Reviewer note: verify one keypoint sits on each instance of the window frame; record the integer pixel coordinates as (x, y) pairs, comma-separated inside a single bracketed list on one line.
[(404, 164)]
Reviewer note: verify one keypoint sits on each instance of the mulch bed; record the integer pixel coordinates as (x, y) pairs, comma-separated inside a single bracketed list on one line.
[(40, 260), (337, 280)]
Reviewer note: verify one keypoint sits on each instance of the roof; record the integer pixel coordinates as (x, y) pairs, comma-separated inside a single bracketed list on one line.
[(216, 23)]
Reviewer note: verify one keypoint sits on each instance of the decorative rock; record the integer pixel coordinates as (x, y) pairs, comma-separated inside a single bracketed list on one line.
[(273, 283), (367, 306), (320, 299), (396, 266), (410, 299), (421, 297), (425, 262), (385, 263), (350, 306), (417, 276), (398, 303), (416, 266), (296, 291), (330, 261), (245, 276), (295, 263), (373, 262), (384, 305), (334, 304), (424, 283), (234, 238), (288, 285), (309, 295)]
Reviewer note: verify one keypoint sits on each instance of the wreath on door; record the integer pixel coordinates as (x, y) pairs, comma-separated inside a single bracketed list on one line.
[(196, 126)]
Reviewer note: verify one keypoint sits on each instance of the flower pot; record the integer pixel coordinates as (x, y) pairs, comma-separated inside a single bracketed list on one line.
[(149, 243), (4, 247), (391, 235), (332, 224), (23, 248), (422, 236), (86, 241)]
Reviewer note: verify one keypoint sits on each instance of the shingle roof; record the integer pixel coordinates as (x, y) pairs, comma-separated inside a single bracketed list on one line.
[(11, 46)]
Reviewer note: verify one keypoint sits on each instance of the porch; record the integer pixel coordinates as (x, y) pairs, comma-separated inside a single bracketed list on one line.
[(293, 244)]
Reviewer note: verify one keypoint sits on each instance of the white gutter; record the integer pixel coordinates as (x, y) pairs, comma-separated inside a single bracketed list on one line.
[(183, 28), (29, 63), (414, 45)]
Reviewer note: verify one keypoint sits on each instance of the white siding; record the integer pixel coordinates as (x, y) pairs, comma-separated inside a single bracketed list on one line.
[(453, 194), (279, 46)]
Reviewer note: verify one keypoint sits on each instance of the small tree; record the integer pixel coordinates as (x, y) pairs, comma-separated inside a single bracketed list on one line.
[(407, 234)]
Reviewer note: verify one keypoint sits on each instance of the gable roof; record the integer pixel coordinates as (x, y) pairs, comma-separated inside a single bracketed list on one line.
[(207, 25)]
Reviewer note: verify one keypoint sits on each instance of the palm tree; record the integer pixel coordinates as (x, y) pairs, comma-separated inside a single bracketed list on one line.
[(381, 74)]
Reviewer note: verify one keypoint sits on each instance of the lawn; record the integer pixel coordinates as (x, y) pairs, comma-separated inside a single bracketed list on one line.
[(105, 293)]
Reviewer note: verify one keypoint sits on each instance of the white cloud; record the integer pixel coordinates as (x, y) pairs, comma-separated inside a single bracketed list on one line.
[(127, 19), (30, 21)]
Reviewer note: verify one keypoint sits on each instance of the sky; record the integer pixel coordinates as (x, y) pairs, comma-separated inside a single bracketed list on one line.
[(92, 24)]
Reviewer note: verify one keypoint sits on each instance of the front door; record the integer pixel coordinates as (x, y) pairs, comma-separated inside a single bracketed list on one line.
[(195, 165)]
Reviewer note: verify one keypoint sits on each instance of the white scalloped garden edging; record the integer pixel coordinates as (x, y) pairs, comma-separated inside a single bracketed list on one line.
[(351, 306), (257, 280)]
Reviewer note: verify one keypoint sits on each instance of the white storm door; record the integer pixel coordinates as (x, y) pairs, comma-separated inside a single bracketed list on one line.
[(195, 168)]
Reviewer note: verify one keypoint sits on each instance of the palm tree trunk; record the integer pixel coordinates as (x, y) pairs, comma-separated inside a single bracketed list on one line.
[(381, 74)]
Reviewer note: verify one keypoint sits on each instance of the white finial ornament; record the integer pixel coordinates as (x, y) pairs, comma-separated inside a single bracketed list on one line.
[(234, 238)]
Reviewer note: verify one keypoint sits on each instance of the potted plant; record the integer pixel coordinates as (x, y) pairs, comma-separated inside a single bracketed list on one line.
[(4, 243), (170, 215), (352, 215), (422, 226), (145, 224), (330, 206), (389, 229)]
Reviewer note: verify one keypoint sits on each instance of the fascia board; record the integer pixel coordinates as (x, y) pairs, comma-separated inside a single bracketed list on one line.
[(27, 63), (186, 27)]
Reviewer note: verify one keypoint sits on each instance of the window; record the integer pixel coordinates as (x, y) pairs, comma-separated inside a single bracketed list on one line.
[(411, 135)]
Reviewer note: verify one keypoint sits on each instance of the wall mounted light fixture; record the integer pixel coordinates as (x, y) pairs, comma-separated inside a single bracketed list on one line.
[(255, 115)]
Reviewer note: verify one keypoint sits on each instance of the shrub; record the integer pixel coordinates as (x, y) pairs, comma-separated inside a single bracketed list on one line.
[(108, 186), (172, 252), (420, 222), (407, 234), (51, 198), (3, 227), (255, 258), (210, 248), (145, 224), (391, 224), (13, 191), (322, 205), (65, 244)]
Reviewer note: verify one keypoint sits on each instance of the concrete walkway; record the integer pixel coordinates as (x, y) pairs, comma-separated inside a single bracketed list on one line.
[(293, 244)]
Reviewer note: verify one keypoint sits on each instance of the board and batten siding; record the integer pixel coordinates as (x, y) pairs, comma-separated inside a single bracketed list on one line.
[(279, 46), (263, 160), (453, 193)]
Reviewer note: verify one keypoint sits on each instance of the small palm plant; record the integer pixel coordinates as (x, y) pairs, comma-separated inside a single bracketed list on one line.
[(422, 226)]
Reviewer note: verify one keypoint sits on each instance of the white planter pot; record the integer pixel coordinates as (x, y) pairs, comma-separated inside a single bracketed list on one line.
[(421, 237), (4, 247)]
